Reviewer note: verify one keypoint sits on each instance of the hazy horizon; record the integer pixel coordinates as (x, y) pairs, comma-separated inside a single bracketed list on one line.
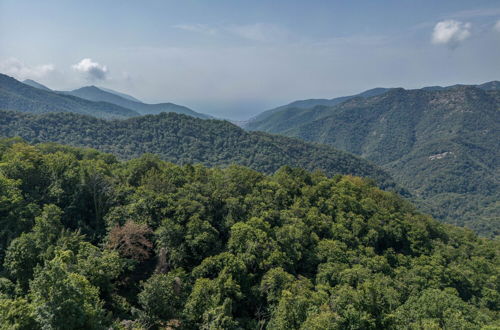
[(234, 60)]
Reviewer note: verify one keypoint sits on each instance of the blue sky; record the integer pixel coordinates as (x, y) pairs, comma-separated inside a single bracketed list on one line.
[(234, 59)]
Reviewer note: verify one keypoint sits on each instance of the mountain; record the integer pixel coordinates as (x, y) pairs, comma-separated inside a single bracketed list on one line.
[(260, 122), (277, 119), (94, 93), (442, 144), (89, 242), (15, 95), (183, 139), (35, 84), (490, 86), (125, 96)]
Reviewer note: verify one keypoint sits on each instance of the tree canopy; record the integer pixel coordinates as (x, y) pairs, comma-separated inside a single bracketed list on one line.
[(92, 242)]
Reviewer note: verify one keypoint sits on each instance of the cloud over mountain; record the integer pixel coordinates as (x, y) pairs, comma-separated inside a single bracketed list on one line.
[(92, 70), (450, 32), (14, 67)]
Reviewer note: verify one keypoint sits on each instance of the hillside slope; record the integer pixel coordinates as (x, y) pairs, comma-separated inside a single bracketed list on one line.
[(35, 84), (184, 139), (442, 144), (266, 120), (125, 96), (15, 95), (87, 242), (94, 93)]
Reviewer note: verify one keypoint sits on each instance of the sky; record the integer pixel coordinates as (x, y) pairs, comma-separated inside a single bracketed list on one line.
[(235, 58)]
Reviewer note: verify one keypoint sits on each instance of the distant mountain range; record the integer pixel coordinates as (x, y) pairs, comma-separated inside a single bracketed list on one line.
[(35, 84), (31, 96), (259, 122), (265, 120), (125, 96), (15, 95), (440, 142), (97, 94), (183, 139)]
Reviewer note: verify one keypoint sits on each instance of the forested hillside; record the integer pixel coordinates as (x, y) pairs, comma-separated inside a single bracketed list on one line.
[(15, 95), (96, 94), (441, 143), (87, 242), (35, 84), (265, 120), (301, 112), (183, 139)]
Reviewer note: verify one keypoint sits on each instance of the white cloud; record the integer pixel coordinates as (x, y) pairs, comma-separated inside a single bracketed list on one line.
[(198, 28), (14, 67), (497, 26), (450, 32), (91, 69)]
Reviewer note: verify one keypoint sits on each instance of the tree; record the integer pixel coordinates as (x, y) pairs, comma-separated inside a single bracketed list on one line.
[(14, 212), (294, 305), (30, 249), (163, 296), (63, 299), (100, 267), (254, 247), (17, 314), (211, 302), (131, 241), (442, 308), (23, 255)]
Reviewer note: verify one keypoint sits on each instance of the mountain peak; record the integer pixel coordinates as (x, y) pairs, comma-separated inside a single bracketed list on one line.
[(35, 84), (88, 88), (491, 85), (98, 94), (15, 94)]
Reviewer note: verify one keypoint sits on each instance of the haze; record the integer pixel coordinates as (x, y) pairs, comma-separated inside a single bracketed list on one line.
[(234, 59)]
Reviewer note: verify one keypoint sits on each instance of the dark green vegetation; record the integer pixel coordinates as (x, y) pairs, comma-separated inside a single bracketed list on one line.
[(33, 97), (15, 95), (183, 139), (442, 144), (93, 93), (88, 242), (275, 115), (271, 120)]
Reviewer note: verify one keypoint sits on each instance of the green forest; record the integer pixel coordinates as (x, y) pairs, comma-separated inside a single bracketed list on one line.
[(88, 241), (183, 139), (441, 145)]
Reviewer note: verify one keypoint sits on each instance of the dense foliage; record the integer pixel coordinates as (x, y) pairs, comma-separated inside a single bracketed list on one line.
[(15, 95), (440, 143), (183, 140), (89, 242)]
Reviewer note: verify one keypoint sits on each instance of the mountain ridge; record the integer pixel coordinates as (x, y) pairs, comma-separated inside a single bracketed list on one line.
[(15, 95), (442, 144), (258, 122), (304, 104), (36, 84), (184, 139), (126, 96), (97, 94)]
